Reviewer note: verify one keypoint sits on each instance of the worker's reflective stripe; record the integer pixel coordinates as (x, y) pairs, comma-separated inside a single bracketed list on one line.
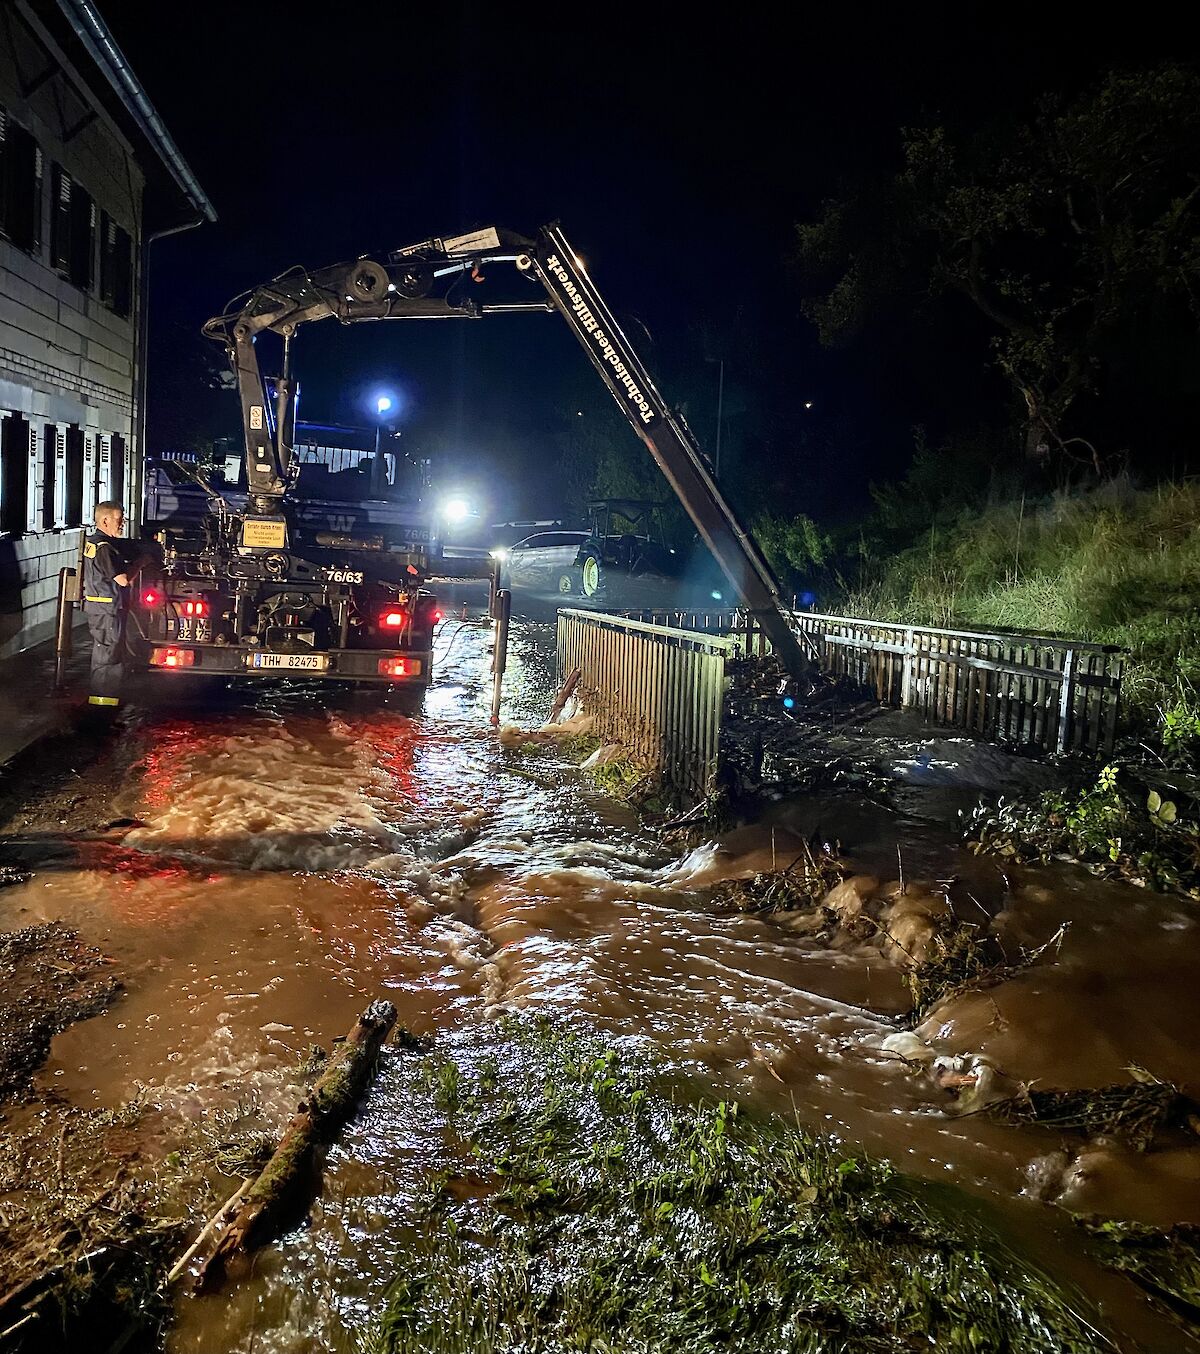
[(97, 599), (104, 700)]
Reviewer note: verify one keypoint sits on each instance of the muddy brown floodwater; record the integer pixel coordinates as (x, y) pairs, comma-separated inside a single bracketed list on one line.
[(302, 855)]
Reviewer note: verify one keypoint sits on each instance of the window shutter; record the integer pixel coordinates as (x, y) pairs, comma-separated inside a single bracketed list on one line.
[(60, 218)]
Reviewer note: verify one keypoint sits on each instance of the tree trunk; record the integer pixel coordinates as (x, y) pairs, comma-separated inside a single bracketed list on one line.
[(287, 1179)]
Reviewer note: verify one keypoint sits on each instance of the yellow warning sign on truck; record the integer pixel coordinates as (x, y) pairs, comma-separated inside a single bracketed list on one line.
[(264, 533)]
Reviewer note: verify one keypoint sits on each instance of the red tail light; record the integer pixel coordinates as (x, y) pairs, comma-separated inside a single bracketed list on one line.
[(397, 667), (195, 608), (172, 658), (437, 617), (393, 619), (152, 598)]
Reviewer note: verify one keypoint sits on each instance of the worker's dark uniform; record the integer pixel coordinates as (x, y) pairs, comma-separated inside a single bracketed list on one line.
[(106, 606)]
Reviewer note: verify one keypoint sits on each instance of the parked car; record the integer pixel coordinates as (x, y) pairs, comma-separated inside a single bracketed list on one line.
[(632, 567), (555, 561)]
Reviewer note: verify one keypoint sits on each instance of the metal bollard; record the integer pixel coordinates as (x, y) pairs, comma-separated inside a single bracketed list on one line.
[(503, 611), (493, 588), (64, 616)]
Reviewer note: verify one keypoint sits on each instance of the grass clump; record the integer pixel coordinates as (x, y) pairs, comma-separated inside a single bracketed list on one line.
[(593, 1210), (1110, 827)]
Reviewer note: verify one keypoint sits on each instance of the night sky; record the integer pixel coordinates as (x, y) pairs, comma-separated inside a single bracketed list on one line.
[(677, 152)]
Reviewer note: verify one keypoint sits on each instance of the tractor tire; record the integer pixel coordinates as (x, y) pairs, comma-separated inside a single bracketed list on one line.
[(593, 578)]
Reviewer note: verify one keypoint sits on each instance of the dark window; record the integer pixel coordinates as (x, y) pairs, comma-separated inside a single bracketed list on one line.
[(73, 496), (50, 437), (83, 237), (116, 468), (72, 228), (20, 185), (116, 266), (14, 474)]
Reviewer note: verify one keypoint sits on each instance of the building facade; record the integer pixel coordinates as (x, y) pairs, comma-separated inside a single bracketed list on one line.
[(84, 176)]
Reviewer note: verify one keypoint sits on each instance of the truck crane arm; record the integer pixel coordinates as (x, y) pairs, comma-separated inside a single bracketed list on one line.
[(423, 281)]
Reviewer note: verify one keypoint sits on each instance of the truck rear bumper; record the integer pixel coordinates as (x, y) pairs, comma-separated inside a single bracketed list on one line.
[(383, 667)]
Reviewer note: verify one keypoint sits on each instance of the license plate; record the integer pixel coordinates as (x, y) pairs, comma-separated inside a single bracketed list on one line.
[(291, 662)]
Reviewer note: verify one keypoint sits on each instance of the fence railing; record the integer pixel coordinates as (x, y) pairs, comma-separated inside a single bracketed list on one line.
[(659, 691), (1037, 691)]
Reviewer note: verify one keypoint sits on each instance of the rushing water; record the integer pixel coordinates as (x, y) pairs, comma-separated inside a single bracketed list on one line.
[(301, 856)]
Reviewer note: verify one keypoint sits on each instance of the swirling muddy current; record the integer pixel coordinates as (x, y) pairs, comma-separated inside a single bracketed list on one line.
[(298, 855)]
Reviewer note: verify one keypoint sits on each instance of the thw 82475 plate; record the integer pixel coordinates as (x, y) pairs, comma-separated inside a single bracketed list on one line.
[(303, 662)]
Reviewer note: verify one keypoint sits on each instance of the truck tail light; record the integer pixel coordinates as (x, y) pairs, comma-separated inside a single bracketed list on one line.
[(172, 658), (195, 608), (437, 617), (393, 619), (397, 667), (152, 598)]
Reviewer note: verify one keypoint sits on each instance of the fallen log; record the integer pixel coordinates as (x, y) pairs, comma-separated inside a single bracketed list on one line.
[(292, 1171)]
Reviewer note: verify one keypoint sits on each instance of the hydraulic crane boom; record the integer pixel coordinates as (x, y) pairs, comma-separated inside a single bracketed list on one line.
[(421, 282)]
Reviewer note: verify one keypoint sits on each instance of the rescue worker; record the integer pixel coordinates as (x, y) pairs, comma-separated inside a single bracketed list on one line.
[(110, 565)]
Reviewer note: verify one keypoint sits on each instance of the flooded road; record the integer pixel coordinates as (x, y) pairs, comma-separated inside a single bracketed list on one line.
[(299, 855)]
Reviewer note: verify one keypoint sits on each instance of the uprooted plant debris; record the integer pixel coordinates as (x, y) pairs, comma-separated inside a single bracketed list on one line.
[(776, 731), (1164, 1263), (805, 882), (48, 980), (1134, 1112), (589, 1202), (965, 958)]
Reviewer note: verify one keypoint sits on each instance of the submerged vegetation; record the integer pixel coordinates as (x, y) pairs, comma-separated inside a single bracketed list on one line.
[(1134, 1112), (1165, 1264), (591, 1209)]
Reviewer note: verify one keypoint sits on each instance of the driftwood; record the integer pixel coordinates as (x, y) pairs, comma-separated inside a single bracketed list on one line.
[(274, 1195), (566, 691)]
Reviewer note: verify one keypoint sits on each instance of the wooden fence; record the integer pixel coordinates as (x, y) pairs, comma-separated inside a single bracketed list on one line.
[(659, 691), (1035, 691)]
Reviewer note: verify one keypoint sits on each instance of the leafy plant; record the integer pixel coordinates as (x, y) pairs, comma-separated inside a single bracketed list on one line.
[(1106, 826)]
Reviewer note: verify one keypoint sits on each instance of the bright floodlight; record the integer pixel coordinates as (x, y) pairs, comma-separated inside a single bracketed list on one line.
[(383, 403), (456, 510)]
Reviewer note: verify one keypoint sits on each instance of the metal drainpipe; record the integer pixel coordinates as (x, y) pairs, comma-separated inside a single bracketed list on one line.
[(141, 366)]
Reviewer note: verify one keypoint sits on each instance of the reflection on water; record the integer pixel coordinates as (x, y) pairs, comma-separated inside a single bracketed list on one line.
[(302, 855)]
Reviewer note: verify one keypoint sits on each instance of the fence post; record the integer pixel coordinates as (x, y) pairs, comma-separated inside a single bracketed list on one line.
[(906, 679), (1066, 697), (64, 616), (500, 654)]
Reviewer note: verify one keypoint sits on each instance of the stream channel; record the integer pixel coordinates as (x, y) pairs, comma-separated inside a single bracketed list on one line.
[(302, 855)]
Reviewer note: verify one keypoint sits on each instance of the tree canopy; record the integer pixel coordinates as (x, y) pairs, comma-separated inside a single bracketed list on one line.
[(1073, 234)]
